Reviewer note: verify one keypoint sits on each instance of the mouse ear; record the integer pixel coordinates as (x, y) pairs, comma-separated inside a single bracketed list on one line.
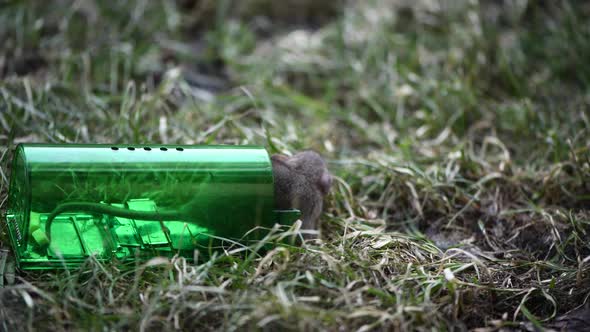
[(325, 183)]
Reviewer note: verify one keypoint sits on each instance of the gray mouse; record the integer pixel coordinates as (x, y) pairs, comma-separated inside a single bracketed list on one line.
[(301, 182)]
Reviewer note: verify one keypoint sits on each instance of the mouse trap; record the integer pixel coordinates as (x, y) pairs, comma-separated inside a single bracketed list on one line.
[(120, 203)]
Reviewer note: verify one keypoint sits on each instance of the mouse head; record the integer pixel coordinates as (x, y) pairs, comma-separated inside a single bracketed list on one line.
[(312, 166)]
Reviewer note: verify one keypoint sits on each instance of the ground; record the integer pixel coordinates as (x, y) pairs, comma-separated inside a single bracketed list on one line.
[(457, 131)]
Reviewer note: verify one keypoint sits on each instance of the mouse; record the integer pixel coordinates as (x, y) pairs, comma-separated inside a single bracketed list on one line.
[(300, 182)]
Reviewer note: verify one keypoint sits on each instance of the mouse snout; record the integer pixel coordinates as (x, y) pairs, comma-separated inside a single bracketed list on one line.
[(325, 183)]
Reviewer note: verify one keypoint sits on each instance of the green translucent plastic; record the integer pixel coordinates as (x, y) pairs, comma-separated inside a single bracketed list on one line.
[(223, 191)]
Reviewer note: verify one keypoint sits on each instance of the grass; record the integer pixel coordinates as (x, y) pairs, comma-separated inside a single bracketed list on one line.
[(458, 132)]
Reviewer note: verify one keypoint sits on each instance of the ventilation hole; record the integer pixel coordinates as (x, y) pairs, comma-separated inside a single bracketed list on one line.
[(163, 149), (130, 148), (179, 149), (114, 148), (147, 148)]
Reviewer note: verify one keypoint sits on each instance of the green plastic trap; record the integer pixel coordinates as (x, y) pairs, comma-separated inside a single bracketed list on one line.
[(126, 202)]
